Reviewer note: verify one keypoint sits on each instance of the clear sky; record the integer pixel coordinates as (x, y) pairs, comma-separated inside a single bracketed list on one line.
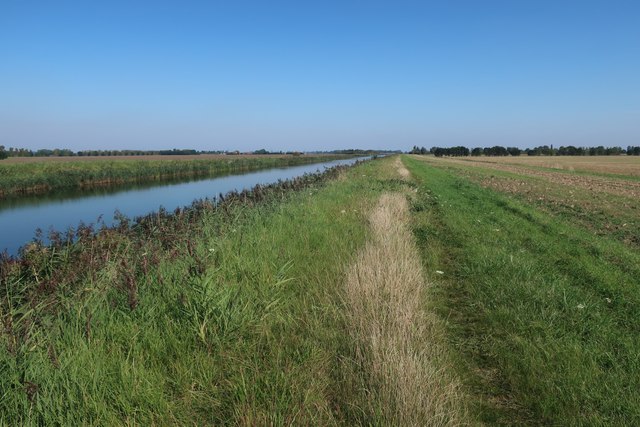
[(324, 75)]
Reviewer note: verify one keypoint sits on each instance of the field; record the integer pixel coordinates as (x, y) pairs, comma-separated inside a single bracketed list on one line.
[(41, 175), (409, 290), (614, 165)]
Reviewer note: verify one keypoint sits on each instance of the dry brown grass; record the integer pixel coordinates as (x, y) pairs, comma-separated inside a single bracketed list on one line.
[(404, 172), (619, 165), (598, 184), (404, 377)]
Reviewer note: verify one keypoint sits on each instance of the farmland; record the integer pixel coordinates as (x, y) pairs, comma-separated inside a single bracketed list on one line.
[(609, 165), (409, 290)]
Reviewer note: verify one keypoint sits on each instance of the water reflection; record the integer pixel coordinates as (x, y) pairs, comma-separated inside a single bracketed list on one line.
[(19, 218)]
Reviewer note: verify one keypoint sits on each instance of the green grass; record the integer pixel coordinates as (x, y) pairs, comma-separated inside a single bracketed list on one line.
[(544, 313), (42, 177), (232, 316)]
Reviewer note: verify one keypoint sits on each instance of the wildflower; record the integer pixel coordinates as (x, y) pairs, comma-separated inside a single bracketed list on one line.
[(343, 211), (581, 306), (439, 272), (608, 300), (212, 249)]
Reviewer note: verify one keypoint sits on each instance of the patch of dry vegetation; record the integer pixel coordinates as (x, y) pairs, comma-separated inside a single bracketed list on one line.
[(618, 165), (404, 172), (403, 377), (600, 184)]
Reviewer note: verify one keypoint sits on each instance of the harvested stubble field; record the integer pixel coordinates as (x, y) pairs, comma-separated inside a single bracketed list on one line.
[(615, 165), (605, 205)]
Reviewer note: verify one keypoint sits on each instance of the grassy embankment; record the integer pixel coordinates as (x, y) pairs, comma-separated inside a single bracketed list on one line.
[(542, 305), (230, 314), (45, 176)]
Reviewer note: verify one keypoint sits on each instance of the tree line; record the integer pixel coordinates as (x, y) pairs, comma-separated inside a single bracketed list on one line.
[(543, 150)]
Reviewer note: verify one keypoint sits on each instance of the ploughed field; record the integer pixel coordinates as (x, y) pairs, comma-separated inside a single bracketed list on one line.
[(408, 290), (616, 165)]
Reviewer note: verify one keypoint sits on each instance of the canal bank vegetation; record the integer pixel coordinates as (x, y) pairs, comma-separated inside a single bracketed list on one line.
[(42, 177), (230, 311)]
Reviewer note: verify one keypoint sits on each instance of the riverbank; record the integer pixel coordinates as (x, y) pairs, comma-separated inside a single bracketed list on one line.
[(45, 176), (209, 315)]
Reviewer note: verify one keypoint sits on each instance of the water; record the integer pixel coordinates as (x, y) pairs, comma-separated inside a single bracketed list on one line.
[(20, 218)]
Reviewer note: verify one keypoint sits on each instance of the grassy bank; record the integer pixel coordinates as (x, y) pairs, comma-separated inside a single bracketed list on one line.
[(232, 314), (42, 177), (544, 311)]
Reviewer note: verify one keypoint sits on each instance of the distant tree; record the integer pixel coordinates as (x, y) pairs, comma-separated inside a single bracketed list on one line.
[(450, 151), (613, 151), (3, 153), (496, 150), (514, 151), (543, 150), (477, 152), (633, 151), (571, 151)]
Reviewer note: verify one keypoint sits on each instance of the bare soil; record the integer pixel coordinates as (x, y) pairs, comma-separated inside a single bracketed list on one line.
[(619, 165), (621, 187)]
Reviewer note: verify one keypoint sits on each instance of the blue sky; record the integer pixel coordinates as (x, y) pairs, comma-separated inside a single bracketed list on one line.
[(298, 75)]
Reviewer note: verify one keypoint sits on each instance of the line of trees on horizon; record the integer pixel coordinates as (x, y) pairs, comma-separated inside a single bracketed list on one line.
[(543, 150)]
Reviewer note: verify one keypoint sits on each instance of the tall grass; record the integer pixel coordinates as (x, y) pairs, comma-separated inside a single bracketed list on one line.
[(42, 177)]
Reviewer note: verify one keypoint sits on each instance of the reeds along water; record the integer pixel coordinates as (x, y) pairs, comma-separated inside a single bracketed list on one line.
[(132, 248), (43, 177)]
